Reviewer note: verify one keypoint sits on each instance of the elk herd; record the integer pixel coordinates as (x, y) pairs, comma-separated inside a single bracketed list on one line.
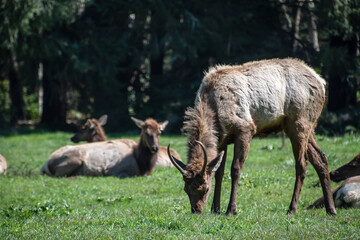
[(102, 157), (233, 105)]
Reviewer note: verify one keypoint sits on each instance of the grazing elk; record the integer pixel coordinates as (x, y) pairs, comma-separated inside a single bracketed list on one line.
[(3, 165), (122, 157), (350, 169), (236, 103), (347, 195), (91, 131)]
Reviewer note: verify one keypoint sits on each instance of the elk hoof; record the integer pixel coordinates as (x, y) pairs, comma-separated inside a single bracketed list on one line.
[(291, 211), (331, 212), (230, 212), (215, 211)]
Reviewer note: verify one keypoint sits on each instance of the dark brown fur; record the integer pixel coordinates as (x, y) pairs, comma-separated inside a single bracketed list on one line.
[(350, 169), (148, 151)]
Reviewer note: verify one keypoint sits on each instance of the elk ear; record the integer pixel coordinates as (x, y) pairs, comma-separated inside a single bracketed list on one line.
[(90, 124), (103, 119), (163, 125), (216, 162), (138, 122)]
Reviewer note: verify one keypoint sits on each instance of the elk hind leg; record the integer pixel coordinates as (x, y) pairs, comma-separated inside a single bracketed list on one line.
[(298, 140), (320, 163), (64, 166)]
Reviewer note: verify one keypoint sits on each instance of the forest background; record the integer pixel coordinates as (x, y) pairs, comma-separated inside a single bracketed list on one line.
[(62, 61)]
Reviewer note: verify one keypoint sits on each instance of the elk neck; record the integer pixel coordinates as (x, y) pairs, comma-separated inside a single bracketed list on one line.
[(145, 158)]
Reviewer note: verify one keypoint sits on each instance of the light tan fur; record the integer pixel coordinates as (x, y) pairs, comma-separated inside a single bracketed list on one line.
[(3, 165), (107, 158)]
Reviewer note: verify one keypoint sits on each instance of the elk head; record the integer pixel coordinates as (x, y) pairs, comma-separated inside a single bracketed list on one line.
[(91, 130), (150, 132), (348, 170), (198, 184)]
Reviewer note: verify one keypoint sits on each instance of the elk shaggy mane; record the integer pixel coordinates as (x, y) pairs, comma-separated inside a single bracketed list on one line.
[(199, 125)]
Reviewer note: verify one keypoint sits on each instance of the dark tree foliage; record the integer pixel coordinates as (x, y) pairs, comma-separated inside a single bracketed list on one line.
[(64, 61), (341, 54)]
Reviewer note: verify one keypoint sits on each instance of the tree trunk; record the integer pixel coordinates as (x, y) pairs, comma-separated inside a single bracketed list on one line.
[(287, 19), (16, 91), (54, 98), (41, 90), (156, 92), (296, 26), (313, 34)]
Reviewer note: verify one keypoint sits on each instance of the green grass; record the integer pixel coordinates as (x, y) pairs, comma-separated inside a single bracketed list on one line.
[(156, 207)]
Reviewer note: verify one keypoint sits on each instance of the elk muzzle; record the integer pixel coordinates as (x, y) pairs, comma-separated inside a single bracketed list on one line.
[(75, 139), (155, 149)]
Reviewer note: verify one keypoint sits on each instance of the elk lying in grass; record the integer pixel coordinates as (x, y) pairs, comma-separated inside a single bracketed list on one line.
[(107, 158), (348, 170), (3, 165), (91, 131), (122, 157), (348, 193), (148, 146), (236, 103)]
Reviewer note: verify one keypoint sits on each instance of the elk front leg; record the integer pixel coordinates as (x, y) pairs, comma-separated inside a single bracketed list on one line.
[(215, 207), (241, 149)]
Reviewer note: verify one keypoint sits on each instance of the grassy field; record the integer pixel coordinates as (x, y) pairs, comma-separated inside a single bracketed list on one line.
[(156, 207)]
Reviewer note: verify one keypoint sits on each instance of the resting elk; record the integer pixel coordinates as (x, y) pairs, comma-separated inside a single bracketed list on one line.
[(348, 193), (122, 158), (3, 165), (236, 103), (91, 131), (350, 169)]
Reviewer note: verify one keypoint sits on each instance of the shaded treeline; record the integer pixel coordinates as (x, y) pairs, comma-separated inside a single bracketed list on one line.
[(62, 61)]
